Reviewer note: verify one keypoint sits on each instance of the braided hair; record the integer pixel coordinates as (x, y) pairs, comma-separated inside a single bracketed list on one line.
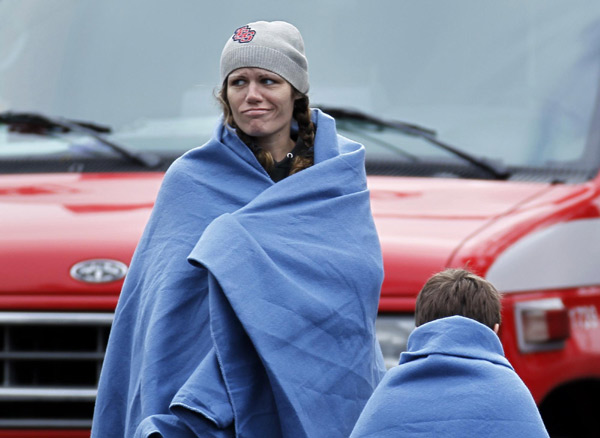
[(306, 131)]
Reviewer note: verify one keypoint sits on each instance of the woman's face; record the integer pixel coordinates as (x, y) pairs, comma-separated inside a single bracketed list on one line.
[(261, 104)]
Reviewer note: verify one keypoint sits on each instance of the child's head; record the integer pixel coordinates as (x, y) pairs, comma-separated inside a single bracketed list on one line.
[(458, 292)]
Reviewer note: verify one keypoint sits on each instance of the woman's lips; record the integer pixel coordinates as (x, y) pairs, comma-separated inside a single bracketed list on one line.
[(255, 112)]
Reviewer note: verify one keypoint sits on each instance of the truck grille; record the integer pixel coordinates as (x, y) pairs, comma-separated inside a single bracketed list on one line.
[(49, 368)]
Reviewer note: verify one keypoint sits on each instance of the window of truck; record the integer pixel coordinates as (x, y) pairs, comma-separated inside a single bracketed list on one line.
[(512, 84)]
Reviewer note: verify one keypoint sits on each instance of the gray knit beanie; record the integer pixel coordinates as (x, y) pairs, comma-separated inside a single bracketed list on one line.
[(276, 46)]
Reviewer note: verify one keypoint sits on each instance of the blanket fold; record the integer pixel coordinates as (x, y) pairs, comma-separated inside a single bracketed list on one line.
[(249, 308)]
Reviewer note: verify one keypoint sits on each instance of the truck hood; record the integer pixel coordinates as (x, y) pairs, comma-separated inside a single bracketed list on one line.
[(49, 222), (422, 222)]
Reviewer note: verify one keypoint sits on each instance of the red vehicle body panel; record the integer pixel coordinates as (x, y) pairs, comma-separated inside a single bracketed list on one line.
[(69, 218), (425, 225)]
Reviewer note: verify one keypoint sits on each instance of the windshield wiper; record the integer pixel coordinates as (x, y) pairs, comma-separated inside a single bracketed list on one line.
[(496, 170), (41, 124)]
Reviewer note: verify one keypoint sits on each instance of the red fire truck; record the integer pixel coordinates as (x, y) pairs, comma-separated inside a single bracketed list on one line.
[(482, 129)]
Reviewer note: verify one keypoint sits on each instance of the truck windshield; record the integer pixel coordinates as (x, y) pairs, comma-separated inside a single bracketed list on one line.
[(513, 83)]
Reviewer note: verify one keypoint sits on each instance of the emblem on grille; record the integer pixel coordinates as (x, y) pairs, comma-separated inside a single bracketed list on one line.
[(99, 271)]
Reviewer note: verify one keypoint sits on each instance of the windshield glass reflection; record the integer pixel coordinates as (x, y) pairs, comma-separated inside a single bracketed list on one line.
[(512, 82)]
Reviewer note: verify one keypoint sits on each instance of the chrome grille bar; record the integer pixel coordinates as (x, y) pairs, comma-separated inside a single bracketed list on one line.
[(55, 318), (51, 356), (50, 363), (46, 394), (33, 423)]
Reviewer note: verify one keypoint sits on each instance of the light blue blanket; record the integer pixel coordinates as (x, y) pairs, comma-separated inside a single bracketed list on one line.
[(249, 307), (453, 382)]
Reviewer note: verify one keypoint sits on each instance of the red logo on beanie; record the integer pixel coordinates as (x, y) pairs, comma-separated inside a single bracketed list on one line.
[(243, 34)]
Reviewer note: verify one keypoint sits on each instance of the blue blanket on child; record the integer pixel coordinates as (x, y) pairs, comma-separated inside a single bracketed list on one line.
[(453, 382), (249, 307)]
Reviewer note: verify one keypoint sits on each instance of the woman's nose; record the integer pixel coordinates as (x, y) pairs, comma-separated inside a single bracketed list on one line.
[(253, 93)]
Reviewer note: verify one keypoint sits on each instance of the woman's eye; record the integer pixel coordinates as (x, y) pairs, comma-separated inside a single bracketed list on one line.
[(236, 82), (268, 81)]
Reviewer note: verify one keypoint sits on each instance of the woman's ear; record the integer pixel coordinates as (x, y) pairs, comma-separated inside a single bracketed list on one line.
[(496, 328)]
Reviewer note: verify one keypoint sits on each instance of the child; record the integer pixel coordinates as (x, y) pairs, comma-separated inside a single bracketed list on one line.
[(454, 380)]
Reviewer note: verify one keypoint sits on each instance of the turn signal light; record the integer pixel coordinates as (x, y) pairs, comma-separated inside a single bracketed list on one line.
[(542, 325)]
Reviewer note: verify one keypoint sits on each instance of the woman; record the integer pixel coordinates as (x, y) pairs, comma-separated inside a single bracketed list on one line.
[(249, 307), (261, 104)]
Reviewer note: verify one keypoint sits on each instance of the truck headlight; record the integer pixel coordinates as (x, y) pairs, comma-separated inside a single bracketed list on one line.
[(392, 333)]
